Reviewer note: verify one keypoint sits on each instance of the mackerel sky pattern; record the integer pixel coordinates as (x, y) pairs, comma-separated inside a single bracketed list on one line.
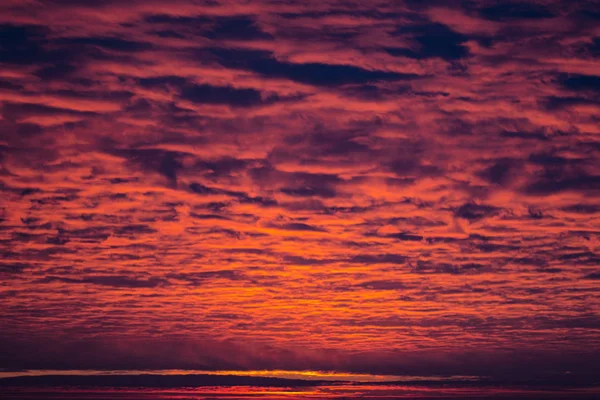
[(368, 186)]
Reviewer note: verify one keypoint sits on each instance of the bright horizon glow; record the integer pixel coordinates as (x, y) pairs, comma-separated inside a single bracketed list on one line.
[(304, 375), (333, 193)]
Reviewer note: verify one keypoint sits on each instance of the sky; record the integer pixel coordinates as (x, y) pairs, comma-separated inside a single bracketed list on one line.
[(381, 187)]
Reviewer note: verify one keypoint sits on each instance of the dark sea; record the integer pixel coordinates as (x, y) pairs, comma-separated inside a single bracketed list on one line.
[(333, 391)]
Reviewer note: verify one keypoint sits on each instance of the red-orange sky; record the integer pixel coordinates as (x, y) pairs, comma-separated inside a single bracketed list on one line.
[(363, 186)]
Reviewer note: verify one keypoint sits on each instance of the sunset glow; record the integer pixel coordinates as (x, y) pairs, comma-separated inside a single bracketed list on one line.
[(358, 191), (305, 375)]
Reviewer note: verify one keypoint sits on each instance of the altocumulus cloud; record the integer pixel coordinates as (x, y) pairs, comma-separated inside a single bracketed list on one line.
[(300, 186)]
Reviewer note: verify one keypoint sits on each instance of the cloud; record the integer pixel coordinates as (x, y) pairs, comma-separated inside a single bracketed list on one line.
[(197, 278), (153, 381), (237, 27), (582, 208), (409, 188), (592, 276), (433, 40), (318, 74), (561, 181), (117, 281), (299, 260), (405, 236), (381, 285), (107, 43), (166, 163), (500, 172), (22, 44), (206, 94), (558, 103), (13, 268), (378, 259), (298, 226), (516, 11), (474, 212)]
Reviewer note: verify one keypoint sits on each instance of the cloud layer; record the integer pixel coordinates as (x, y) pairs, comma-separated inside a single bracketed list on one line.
[(286, 185)]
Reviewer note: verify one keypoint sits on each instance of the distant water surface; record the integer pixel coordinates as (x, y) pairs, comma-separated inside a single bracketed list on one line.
[(288, 385), (335, 391)]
